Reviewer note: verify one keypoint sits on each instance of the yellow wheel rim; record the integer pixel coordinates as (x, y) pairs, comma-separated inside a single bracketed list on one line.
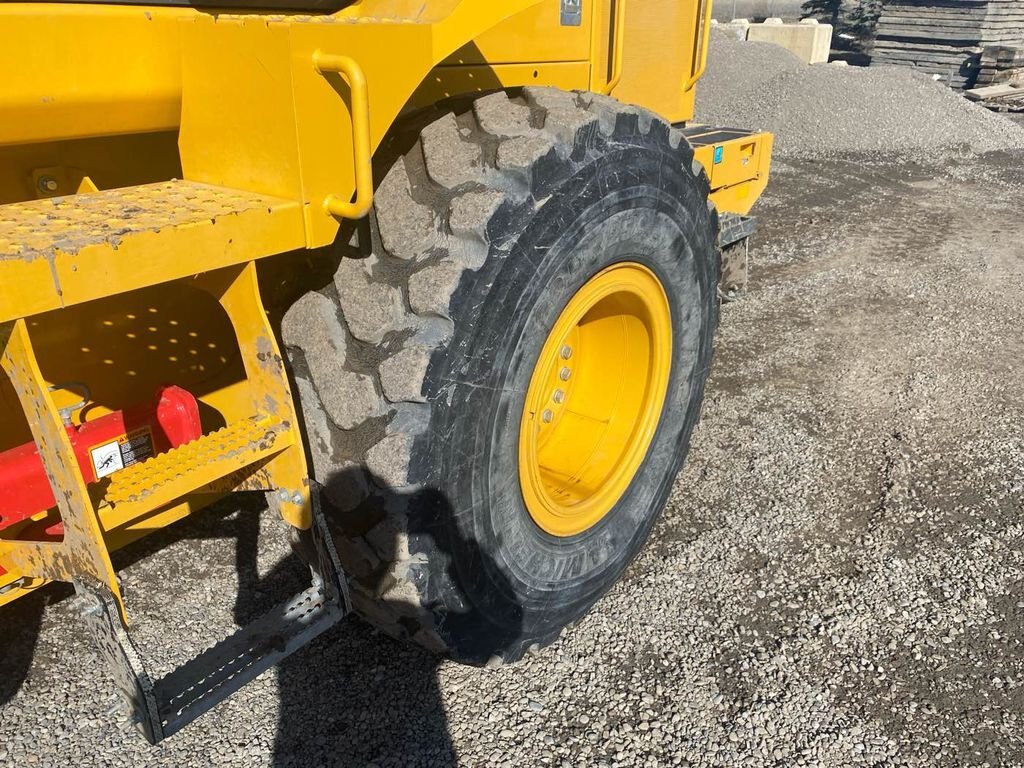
[(595, 399)]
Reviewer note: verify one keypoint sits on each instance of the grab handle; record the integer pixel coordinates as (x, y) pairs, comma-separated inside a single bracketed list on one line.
[(361, 153), (618, 39), (701, 54)]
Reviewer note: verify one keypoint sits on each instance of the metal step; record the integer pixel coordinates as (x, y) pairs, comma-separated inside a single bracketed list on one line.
[(162, 708), (60, 251), (193, 689), (171, 475)]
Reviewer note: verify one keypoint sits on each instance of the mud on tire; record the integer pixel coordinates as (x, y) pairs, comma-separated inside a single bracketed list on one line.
[(412, 365)]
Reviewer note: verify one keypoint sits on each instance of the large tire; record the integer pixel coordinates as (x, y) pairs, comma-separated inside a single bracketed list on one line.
[(411, 367)]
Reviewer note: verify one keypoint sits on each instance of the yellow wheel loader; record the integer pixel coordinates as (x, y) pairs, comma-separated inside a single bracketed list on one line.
[(438, 277)]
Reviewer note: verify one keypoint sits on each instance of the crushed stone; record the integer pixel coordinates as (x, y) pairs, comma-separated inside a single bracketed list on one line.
[(831, 110)]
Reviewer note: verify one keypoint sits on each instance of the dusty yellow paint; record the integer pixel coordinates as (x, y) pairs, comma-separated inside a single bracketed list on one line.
[(270, 119), (99, 245), (82, 552)]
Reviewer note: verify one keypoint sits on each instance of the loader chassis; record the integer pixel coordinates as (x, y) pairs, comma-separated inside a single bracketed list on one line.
[(147, 179)]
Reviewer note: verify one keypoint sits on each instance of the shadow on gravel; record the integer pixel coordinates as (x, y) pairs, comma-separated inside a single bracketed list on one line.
[(356, 697), (22, 621)]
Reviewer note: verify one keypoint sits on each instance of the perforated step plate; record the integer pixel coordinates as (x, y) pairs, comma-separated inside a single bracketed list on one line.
[(162, 707), (168, 476)]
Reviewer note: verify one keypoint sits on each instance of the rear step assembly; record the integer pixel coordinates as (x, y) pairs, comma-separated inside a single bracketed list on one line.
[(72, 250), (732, 159), (162, 707)]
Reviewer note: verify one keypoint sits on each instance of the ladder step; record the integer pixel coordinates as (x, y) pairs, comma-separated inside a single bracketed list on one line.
[(183, 470), (65, 250), (162, 708), (196, 687)]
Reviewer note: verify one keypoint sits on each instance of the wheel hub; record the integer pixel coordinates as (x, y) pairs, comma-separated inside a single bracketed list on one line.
[(595, 399)]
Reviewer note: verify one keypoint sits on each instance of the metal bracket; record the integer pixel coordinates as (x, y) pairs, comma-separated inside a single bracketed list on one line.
[(732, 228), (734, 241), (572, 13), (83, 551)]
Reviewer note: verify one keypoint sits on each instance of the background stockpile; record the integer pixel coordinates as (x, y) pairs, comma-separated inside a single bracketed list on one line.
[(822, 110)]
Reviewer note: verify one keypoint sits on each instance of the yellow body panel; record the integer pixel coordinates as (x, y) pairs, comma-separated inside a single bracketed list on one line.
[(658, 50), (269, 120), (737, 163), (534, 36), (74, 70)]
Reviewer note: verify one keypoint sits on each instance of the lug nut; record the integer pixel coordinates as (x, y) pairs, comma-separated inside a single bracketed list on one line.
[(558, 397), (564, 374), (547, 416), (566, 352)]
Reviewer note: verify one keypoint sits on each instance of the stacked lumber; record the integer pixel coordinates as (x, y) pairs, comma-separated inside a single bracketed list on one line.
[(1001, 64), (947, 37)]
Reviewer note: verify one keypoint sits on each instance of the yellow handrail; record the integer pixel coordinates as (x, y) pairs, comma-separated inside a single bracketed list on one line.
[(362, 154), (703, 34), (620, 36)]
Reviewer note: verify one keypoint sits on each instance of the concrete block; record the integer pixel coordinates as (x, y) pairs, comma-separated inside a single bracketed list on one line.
[(726, 10), (807, 39), (735, 29)]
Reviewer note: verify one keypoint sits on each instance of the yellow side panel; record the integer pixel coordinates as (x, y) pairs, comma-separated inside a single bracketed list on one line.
[(74, 70), (536, 35), (445, 82), (658, 57), (238, 115)]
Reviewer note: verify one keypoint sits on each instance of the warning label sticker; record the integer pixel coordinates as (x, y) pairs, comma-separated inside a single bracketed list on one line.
[(117, 454)]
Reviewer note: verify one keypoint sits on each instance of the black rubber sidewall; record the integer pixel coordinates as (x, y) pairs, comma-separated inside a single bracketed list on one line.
[(528, 584)]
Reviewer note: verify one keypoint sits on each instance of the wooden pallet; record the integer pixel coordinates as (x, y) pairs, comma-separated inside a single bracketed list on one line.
[(1003, 97)]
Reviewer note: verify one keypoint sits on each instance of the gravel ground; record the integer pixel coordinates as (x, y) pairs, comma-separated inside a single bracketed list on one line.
[(837, 580), (825, 109)]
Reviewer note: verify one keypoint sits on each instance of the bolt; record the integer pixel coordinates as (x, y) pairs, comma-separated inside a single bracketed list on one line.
[(14, 585), (564, 374), (566, 352), (547, 416), (282, 495), (558, 397), (47, 184), (297, 498)]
